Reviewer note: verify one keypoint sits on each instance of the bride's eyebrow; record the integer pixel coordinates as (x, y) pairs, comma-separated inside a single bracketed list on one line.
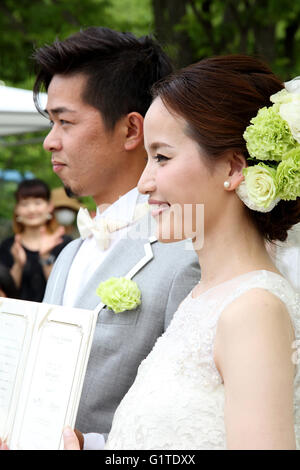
[(155, 145)]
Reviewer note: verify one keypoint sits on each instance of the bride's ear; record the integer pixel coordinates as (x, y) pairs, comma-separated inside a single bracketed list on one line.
[(237, 163)]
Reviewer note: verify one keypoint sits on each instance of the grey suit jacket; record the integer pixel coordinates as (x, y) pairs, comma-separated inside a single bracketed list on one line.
[(123, 340)]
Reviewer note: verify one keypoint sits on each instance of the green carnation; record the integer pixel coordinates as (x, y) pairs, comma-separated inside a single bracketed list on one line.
[(119, 294), (288, 175), (268, 137)]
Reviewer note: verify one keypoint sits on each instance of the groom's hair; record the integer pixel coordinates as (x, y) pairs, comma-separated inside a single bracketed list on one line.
[(120, 69)]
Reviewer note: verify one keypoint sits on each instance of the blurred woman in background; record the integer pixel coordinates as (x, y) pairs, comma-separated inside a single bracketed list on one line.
[(38, 240), (8, 287)]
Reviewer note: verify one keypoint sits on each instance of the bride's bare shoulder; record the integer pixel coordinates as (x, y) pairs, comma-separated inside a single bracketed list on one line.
[(255, 305)]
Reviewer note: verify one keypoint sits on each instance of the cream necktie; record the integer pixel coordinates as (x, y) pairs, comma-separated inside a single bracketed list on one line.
[(102, 227)]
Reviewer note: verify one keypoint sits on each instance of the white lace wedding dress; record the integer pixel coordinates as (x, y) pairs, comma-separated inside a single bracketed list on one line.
[(177, 399)]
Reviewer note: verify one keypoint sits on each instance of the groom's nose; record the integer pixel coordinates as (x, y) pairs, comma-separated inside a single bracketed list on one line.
[(52, 141)]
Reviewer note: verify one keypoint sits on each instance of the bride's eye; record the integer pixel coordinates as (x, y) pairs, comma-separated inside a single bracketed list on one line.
[(160, 158)]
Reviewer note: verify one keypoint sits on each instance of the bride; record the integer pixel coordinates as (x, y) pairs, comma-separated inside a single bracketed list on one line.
[(225, 373)]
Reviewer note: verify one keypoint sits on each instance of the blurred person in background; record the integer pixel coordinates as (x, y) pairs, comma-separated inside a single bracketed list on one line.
[(8, 286), (38, 240), (65, 211)]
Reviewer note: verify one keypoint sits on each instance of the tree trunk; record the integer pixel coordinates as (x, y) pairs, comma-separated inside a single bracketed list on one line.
[(168, 14)]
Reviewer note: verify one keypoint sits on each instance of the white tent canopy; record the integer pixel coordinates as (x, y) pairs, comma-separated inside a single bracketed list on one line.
[(18, 113)]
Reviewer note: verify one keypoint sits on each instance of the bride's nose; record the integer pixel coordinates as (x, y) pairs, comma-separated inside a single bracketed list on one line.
[(146, 182)]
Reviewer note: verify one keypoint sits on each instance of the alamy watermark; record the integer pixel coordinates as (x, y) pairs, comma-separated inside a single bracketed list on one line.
[(179, 222)]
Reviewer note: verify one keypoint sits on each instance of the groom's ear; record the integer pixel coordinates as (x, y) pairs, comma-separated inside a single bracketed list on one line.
[(237, 163), (134, 135)]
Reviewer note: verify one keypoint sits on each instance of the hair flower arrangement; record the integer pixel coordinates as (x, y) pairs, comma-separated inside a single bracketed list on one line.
[(273, 139), (119, 294)]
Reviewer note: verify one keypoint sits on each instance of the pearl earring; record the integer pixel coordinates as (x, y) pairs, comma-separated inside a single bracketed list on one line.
[(226, 184)]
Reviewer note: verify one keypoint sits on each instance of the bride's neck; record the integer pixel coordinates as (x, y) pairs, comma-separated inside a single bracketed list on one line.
[(230, 250)]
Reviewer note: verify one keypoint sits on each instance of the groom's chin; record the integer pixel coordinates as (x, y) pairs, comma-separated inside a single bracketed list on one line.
[(69, 192)]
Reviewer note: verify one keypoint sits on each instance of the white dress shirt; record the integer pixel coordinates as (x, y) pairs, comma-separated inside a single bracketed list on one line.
[(90, 256)]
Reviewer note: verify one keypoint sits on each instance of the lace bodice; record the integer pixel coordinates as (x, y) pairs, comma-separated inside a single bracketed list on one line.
[(177, 399)]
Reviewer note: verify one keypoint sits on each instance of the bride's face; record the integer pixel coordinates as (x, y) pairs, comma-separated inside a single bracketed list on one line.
[(181, 185)]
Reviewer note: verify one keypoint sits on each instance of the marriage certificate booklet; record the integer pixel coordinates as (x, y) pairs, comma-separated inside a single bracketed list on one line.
[(44, 350)]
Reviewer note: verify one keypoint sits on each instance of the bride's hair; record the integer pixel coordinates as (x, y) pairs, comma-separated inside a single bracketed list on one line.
[(217, 97)]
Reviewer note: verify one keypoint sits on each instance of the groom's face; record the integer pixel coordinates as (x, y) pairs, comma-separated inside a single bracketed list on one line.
[(85, 154)]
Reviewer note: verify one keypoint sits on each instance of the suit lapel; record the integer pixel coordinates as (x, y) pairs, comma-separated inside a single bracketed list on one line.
[(127, 253)]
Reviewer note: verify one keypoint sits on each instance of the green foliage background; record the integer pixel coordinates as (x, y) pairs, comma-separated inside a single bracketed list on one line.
[(26, 25), (188, 29)]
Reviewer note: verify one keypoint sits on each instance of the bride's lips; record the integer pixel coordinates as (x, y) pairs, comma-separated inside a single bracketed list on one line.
[(158, 207), (57, 166)]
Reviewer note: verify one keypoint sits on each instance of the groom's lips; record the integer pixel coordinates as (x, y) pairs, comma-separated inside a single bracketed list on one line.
[(57, 166), (158, 207)]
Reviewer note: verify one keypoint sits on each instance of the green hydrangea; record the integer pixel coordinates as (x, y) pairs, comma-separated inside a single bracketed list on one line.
[(119, 294), (268, 137), (288, 175)]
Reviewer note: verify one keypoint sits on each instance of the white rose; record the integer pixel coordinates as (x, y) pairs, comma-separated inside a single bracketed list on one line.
[(293, 86), (290, 112), (258, 190), (282, 96)]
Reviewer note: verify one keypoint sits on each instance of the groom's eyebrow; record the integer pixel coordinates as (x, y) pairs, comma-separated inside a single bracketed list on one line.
[(59, 110)]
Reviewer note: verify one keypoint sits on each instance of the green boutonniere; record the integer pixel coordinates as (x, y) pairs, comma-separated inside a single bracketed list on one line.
[(119, 294)]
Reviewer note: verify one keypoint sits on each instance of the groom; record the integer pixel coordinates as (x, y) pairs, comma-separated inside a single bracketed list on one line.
[(98, 83)]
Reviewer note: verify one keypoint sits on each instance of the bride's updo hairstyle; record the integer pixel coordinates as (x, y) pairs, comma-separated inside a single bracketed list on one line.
[(218, 97)]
